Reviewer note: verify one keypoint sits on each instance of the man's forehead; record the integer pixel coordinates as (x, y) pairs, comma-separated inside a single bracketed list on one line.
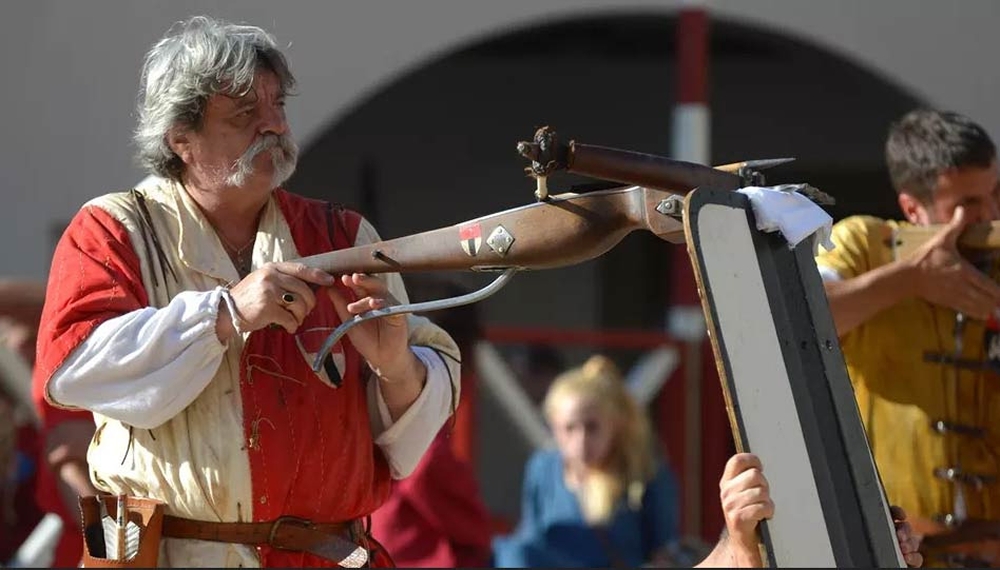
[(237, 100), (264, 83)]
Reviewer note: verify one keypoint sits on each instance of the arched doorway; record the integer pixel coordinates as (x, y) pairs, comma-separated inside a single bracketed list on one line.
[(437, 146)]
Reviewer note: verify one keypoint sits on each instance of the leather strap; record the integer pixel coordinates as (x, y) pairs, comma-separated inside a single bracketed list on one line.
[(332, 541)]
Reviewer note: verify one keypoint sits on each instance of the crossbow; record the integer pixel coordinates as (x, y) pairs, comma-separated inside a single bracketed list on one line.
[(557, 230)]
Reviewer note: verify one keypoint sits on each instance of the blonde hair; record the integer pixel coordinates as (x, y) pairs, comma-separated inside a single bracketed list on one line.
[(630, 464)]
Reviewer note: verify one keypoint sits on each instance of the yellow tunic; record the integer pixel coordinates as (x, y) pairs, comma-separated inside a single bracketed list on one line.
[(901, 395)]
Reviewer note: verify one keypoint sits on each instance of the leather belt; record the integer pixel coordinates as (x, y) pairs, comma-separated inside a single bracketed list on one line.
[(330, 541)]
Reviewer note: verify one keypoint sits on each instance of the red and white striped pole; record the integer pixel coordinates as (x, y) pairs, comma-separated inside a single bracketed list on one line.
[(691, 141), (691, 120)]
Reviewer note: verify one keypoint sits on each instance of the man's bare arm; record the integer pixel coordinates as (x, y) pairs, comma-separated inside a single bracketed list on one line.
[(727, 554), (935, 272), (854, 301), (746, 500)]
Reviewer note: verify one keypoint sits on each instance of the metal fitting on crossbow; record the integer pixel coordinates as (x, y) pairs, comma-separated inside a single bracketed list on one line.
[(671, 206), (545, 152), (437, 305)]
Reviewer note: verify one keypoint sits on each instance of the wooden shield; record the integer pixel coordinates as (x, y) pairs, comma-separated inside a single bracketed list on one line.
[(788, 394)]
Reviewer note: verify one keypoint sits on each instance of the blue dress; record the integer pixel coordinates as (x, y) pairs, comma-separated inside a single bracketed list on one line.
[(552, 531)]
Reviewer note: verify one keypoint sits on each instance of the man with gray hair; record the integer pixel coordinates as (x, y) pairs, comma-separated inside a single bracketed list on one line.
[(173, 315)]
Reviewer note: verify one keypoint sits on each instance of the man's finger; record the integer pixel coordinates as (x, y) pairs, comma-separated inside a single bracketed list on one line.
[(301, 293), (757, 512), (287, 321), (740, 463), (746, 498), (351, 282), (749, 479), (305, 273), (914, 559), (297, 309), (954, 227), (366, 304), (370, 282), (365, 285), (340, 303)]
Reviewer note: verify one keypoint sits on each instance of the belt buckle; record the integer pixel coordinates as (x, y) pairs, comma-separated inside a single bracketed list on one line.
[(297, 521)]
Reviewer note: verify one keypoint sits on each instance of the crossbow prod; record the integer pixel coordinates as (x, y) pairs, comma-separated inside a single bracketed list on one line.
[(555, 231)]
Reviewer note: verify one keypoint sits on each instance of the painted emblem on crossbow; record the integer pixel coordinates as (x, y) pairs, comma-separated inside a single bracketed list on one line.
[(471, 238)]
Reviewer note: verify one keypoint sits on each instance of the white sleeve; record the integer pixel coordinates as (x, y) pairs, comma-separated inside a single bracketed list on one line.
[(405, 441), (144, 367), (828, 273)]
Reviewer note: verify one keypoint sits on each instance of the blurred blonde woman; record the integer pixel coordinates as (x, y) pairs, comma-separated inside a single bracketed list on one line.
[(602, 498)]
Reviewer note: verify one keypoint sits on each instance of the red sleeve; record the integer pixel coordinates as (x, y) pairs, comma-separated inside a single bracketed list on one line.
[(95, 276), (443, 490)]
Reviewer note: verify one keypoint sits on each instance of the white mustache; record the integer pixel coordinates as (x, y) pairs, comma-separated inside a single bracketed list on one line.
[(284, 155)]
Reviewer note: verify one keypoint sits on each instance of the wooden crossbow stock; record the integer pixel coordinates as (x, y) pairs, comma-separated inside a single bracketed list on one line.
[(556, 230), (979, 237)]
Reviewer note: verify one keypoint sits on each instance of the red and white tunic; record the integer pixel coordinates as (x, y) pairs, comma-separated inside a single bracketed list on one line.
[(238, 432)]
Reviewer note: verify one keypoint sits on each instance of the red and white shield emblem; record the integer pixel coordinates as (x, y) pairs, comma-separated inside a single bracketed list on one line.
[(471, 238)]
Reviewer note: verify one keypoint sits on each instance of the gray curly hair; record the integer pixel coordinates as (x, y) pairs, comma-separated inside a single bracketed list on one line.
[(197, 58)]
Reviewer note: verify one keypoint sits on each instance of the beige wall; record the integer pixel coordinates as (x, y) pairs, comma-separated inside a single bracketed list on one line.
[(70, 72)]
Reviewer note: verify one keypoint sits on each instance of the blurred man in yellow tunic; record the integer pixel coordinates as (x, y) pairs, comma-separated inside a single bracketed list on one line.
[(916, 331)]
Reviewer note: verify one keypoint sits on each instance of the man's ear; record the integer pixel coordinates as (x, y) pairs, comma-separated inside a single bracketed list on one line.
[(913, 209), (179, 141)]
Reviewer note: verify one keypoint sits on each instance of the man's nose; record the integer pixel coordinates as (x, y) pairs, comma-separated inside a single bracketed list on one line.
[(273, 122)]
